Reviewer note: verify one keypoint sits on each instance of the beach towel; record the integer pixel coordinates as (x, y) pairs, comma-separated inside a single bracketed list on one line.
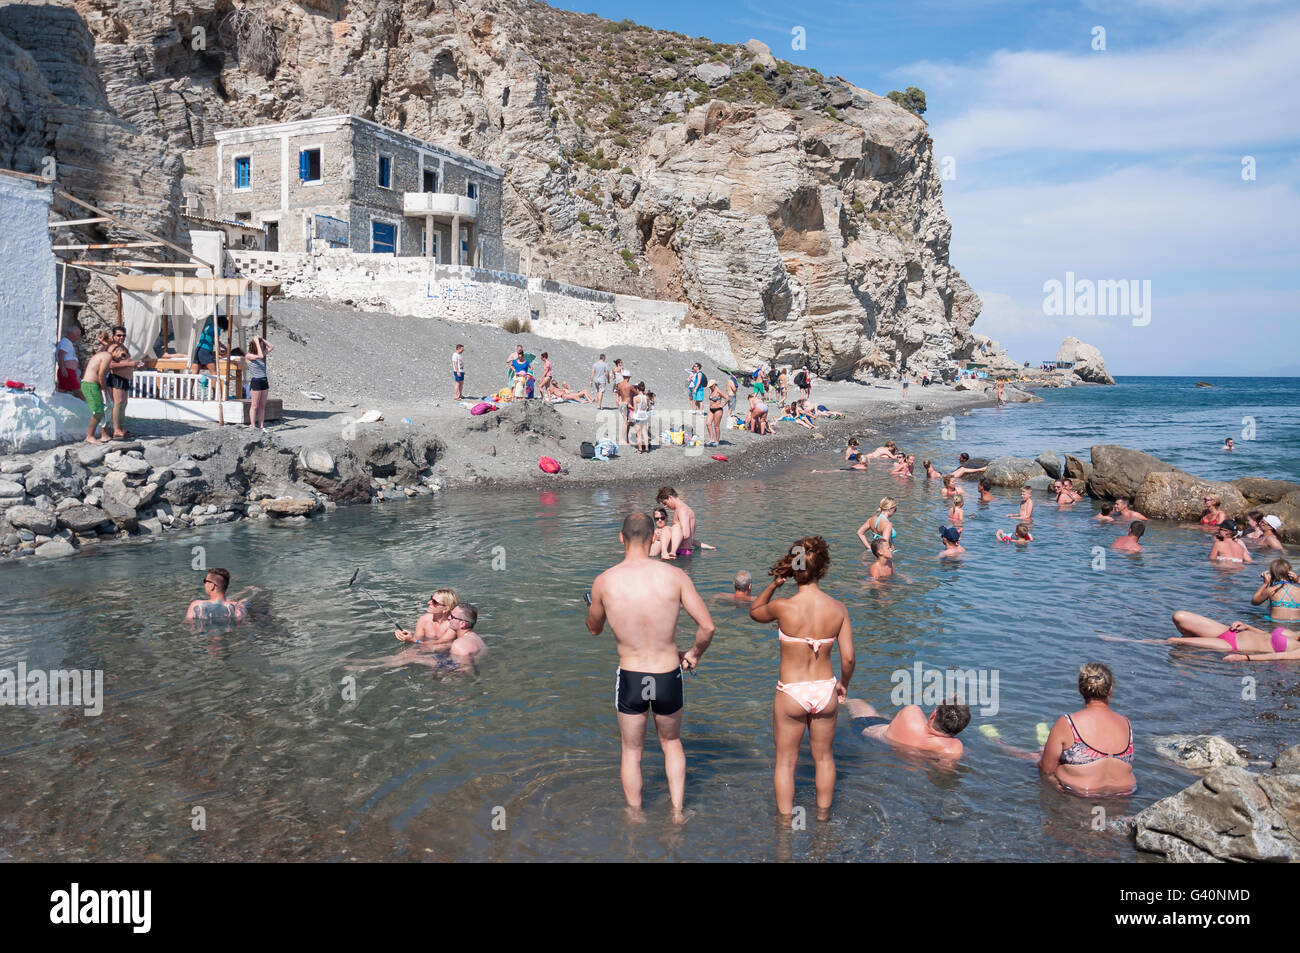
[(606, 449)]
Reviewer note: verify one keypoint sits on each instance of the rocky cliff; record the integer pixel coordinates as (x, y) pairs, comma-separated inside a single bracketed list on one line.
[(792, 210)]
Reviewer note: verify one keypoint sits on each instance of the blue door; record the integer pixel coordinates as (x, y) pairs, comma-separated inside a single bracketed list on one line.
[(383, 238)]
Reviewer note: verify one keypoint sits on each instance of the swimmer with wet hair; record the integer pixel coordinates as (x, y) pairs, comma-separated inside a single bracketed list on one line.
[(935, 734)]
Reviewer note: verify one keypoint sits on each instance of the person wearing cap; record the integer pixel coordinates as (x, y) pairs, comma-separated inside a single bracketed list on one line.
[(717, 404), (1264, 529), (1227, 548), (952, 546)]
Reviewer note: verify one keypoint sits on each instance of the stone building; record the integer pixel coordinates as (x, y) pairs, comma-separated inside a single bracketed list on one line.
[(344, 181)]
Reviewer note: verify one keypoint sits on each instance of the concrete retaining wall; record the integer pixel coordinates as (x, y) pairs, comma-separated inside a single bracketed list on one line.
[(421, 288)]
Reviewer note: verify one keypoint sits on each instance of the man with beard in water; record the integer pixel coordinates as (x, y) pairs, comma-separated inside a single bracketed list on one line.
[(640, 597)]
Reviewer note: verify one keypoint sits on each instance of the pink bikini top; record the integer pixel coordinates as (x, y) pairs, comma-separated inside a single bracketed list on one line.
[(813, 644)]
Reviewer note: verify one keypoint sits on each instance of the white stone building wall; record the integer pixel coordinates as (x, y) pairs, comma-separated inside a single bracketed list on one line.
[(29, 291)]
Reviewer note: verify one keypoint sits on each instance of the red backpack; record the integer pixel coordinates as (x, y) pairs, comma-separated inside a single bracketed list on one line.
[(549, 464)]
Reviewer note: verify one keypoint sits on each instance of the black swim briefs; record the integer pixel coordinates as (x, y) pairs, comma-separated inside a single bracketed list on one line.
[(635, 693), (863, 722)]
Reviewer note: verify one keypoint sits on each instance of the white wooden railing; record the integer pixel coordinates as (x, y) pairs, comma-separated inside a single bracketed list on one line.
[(171, 385)]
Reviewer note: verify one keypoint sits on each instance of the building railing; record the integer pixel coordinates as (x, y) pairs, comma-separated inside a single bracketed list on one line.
[(439, 203), (169, 385)]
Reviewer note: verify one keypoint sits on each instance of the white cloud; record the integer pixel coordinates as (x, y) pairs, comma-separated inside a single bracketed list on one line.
[(1230, 87)]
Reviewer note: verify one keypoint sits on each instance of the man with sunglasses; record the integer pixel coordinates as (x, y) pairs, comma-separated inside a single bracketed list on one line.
[(433, 627), (640, 597), (467, 643), (216, 607)]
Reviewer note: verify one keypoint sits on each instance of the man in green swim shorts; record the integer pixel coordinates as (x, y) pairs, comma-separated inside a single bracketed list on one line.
[(92, 388)]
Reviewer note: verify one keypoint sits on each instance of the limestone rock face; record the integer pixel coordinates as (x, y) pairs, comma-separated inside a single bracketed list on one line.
[(1176, 495), (1258, 490), (1088, 363), (800, 215), (1118, 471)]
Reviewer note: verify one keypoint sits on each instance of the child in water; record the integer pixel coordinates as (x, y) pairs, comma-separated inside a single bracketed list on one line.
[(956, 514), (1019, 537)]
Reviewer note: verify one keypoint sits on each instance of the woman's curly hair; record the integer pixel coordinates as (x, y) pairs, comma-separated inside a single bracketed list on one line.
[(806, 561)]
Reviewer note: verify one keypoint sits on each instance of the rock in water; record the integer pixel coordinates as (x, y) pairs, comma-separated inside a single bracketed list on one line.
[(1198, 752), (1050, 463), (1119, 471), (1259, 490), (1175, 495), (1228, 815), (1076, 469), (1012, 471), (1087, 360)]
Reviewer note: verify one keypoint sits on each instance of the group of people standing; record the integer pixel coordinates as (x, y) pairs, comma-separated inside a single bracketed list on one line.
[(107, 379)]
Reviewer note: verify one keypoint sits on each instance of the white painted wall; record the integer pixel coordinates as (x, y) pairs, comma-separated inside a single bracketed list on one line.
[(418, 287), (28, 285)]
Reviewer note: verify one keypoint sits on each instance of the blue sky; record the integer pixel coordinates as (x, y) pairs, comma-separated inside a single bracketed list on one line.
[(1117, 164)]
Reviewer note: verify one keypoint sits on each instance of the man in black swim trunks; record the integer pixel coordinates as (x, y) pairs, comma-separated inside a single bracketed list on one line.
[(640, 598)]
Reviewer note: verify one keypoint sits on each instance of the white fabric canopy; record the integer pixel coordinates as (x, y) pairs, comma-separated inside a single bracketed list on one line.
[(142, 318)]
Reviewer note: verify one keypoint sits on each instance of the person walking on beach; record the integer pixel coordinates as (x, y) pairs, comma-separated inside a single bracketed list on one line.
[(600, 381), (93, 385), (259, 384), (906, 380), (640, 598), (548, 373), (458, 372), (808, 694)]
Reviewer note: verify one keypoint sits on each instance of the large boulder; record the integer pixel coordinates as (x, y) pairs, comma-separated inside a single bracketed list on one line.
[(1286, 509), (39, 521), (1051, 463), (1076, 469), (1258, 490), (1198, 752), (1175, 495), (82, 519), (1012, 471), (59, 474), (1087, 360), (1228, 815), (1119, 471)]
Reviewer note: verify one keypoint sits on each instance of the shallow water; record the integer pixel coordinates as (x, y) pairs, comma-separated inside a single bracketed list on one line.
[(252, 725)]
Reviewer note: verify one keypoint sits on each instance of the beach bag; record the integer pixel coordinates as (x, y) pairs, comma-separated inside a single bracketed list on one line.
[(481, 408), (549, 464), (587, 450)]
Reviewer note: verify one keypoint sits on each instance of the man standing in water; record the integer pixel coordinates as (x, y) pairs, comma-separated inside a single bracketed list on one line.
[(640, 598)]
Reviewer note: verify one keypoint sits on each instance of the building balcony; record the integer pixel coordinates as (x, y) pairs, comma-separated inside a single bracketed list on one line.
[(439, 205)]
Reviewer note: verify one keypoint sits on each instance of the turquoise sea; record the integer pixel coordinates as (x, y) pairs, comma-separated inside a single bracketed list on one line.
[(520, 762)]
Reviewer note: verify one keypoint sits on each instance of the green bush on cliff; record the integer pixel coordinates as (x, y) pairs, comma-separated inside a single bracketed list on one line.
[(911, 99)]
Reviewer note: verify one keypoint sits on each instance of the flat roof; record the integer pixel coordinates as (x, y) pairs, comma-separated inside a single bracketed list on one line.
[(332, 123)]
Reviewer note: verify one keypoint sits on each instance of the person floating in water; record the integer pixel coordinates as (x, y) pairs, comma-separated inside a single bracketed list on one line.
[(808, 694), (216, 607), (1019, 537), (1026, 512), (951, 537), (640, 599), (1200, 632), (911, 728), (1131, 542), (1075, 765)]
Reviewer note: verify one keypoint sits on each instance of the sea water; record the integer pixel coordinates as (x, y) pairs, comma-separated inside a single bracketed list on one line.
[(265, 742)]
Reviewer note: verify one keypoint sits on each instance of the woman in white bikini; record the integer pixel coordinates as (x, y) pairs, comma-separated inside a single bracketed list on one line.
[(808, 694)]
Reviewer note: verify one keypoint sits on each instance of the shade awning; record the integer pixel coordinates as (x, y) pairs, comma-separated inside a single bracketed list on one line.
[(188, 284)]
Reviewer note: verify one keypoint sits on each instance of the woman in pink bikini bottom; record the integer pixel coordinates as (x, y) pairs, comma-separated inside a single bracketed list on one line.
[(808, 694), (1201, 633)]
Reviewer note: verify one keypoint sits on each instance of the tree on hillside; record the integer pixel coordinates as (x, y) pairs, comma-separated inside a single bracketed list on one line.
[(912, 99)]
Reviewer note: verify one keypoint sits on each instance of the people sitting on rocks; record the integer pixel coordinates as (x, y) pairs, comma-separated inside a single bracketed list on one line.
[(1131, 542), (217, 607), (1227, 548), (1103, 763), (934, 734)]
